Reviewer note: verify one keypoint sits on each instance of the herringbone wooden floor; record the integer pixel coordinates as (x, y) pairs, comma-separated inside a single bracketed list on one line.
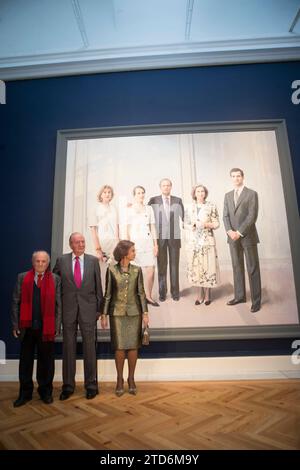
[(169, 415)]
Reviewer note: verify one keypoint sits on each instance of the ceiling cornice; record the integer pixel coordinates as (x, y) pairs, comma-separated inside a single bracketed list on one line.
[(188, 54)]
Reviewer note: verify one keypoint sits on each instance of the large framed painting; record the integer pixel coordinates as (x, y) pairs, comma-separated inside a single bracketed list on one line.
[(187, 155)]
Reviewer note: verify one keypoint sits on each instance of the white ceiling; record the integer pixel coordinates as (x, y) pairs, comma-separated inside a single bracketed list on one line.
[(57, 37)]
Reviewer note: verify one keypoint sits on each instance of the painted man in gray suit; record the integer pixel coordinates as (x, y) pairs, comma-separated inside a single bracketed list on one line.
[(240, 214), (82, 301), (168, 210)]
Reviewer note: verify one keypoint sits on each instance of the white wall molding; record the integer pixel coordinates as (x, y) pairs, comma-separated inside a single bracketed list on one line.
[(183, 369), (188, 54)]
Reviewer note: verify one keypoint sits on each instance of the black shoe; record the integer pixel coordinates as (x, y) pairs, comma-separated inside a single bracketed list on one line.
[(175, 297), (162, 299), (21, 401), (65, 395), (199, 302), (207, 302), (235, 301), (154, 304), (48, 399), (90, 394), (254, 308)]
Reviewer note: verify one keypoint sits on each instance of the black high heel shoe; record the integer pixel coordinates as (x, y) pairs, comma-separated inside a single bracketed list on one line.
[(154, 304), (199, 302), (207, 301)]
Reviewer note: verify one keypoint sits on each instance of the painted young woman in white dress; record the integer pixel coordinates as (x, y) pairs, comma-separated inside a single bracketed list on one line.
[(200, 220), (142, 232), (104, 225)]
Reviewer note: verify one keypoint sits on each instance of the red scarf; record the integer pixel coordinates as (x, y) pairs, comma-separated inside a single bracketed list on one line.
[(47, 303)]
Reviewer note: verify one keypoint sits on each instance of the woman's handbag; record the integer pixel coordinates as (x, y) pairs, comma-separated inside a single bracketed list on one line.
[(146, 336)]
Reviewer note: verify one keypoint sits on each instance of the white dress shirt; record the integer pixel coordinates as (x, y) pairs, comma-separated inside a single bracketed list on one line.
[(238, 192)]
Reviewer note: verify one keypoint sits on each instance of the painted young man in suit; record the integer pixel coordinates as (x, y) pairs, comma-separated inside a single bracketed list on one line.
[(168, 210), (36, 318), (240, 214), (82, 301)]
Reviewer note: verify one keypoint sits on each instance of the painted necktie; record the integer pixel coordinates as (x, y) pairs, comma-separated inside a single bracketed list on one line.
[(236, 196), (167, 208)]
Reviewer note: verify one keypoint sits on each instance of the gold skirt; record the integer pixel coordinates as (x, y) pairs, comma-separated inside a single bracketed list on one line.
[(125, 331)]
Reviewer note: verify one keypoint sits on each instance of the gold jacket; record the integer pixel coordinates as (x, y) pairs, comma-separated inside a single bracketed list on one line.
[(124, 293)]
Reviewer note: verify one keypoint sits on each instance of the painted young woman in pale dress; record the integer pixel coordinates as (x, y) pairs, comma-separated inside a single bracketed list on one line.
[(141, 230), (104, 225), (200, 220)]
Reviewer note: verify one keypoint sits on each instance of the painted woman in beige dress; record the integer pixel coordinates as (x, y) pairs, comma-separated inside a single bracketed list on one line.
[(200, 220)]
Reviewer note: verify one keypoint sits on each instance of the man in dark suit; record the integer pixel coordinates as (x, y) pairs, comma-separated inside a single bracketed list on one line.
[(168, 210), (240, 214), (82, 301), (36, 318)]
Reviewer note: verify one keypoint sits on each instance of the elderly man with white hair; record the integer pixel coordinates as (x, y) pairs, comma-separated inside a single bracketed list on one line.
[(36, 318), (82, 304)]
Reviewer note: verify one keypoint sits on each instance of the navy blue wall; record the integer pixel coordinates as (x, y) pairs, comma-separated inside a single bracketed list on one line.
[(36, 109)]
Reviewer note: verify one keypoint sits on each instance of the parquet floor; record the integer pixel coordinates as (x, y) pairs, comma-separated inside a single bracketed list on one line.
[(163, 415)]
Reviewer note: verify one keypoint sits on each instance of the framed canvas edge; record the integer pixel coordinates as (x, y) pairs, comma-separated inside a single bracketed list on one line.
[(287, 178)]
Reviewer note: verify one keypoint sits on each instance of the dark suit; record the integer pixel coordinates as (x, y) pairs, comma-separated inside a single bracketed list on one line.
[(31, 339), (80, 306), (168, 241), (242, 218)]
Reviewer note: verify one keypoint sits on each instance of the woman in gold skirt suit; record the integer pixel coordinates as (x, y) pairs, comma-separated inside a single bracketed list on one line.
[(126, 305)]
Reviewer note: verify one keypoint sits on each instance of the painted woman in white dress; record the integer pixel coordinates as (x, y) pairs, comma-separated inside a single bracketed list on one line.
[(200, 220), (141, 230), (104, 225)]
